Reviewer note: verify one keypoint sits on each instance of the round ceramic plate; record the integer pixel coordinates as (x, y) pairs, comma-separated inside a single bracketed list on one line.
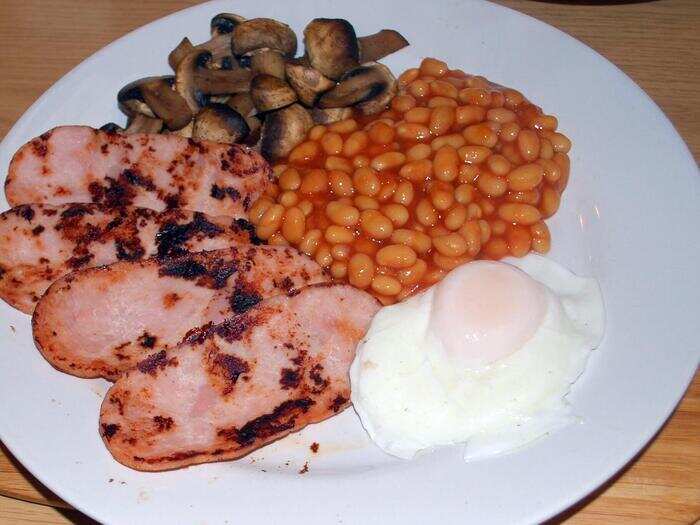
[(629, 218)]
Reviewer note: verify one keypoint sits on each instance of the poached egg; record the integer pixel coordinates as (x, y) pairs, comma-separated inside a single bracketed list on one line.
[(484, 358)]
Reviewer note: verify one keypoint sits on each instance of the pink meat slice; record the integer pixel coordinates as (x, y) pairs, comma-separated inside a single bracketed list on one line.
[(40, 243), (239, 385), (81, 164), (101, 321)]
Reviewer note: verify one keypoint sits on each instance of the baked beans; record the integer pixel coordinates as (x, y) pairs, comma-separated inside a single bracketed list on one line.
[(455, 169)]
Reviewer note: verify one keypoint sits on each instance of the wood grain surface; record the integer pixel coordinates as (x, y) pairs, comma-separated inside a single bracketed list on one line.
[(656, 43)]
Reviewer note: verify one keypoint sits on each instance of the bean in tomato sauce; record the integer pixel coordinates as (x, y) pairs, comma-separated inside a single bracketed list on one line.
[(455, 169)]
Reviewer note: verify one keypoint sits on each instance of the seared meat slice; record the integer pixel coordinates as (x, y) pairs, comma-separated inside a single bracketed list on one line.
[(40, 243), (102, 321), (81, 164), (234, 387)]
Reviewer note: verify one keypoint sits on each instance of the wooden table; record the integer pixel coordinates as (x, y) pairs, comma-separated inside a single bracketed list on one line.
[(656, 43)]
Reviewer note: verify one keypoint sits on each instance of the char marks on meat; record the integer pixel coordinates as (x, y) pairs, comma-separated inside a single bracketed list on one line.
[(131, 309), (80, 164), (40, 243), (236, 394)]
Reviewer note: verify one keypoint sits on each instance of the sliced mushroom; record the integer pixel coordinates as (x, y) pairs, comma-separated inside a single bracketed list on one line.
[(299, 61), (183, 49), (283, 130), (267, 61), (229, 63), (143, 124), (379, 101), (330, 115), (166, 103), (253, 138), (185, 77), (271, 93), (182, 132), (130, 99), (219, 123), (357, 85), (219, 99), (308, 82), (243, 104), (220, 48), (111, 127), (381, 44), (259, 33), (222, 81), (223, 23), (331, 45)]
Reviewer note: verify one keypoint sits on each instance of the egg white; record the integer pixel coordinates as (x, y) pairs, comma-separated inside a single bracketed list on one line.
[(411, 396)]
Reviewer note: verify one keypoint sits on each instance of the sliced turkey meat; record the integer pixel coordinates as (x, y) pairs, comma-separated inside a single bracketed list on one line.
[(236, 386), (40, 243), (81, 164), (102, 321)]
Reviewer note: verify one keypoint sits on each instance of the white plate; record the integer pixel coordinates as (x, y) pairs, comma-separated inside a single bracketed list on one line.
[(630, 218)]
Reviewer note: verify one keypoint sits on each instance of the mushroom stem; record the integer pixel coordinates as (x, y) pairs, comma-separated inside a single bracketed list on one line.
[(222, 81), (269, 62), (184, 48), (184, 77), (166, 103), (243, 104), (381, 44)]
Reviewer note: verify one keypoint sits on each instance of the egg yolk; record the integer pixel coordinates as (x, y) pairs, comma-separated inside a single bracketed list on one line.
[(484, 311)]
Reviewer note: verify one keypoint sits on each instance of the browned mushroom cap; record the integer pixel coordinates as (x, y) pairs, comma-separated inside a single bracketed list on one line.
[(379, 101), (223, 23), (130, 99), (183, 132), (267, 61), (219, 123), (185, 77), (357, 85), (328, 116), (381, 44), (183, 49), (220, 48), (331, 45), (222, 81), (283, 130), (166, 103), (259, 33), (270, 93), (143, 124), (308, 82), (243, 104)]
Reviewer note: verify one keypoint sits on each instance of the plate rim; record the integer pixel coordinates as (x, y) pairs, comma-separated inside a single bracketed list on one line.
[(554, 510)]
